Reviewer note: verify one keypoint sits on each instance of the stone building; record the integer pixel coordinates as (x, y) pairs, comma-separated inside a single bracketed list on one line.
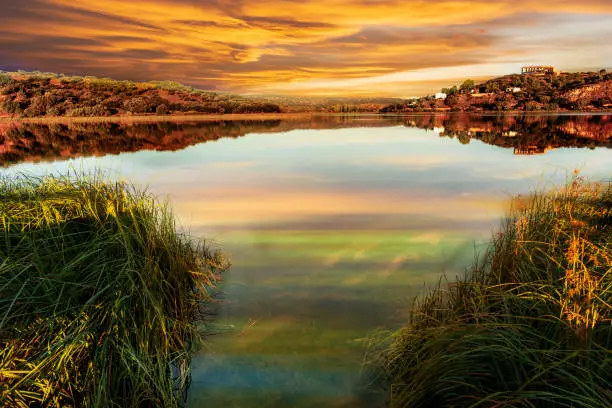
[(538, 69)]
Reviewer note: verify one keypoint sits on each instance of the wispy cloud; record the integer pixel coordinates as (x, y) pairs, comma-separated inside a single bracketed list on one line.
[(302, 46)]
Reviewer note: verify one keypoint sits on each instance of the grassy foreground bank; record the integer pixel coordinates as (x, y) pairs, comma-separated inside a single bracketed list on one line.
[(98, 295), (529, 326)]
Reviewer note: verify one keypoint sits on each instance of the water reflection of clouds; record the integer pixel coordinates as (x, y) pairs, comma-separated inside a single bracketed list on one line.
[(295, 210), (410, 163)]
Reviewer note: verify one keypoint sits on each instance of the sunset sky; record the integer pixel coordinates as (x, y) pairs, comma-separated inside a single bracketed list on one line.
[(304, 47)]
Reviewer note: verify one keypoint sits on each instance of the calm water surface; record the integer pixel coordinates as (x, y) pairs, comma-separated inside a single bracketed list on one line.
[(333, 225)]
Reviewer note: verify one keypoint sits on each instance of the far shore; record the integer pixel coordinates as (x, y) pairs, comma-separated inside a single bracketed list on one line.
[(158, 118), (267, 116)]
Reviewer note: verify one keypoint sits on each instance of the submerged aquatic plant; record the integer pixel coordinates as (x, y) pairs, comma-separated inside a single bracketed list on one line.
[(99, 295), (530, 325)]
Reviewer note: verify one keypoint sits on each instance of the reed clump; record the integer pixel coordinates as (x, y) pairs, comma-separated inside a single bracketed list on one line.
[(99, 295), (530, 325)]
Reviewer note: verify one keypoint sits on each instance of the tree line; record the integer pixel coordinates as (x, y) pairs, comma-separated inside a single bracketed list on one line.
[(36, 95)]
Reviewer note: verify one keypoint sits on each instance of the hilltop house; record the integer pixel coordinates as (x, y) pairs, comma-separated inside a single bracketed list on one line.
[(440, 95), (513, 89)]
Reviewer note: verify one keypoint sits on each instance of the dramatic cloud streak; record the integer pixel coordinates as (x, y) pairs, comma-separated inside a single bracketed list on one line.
[(359, 46)]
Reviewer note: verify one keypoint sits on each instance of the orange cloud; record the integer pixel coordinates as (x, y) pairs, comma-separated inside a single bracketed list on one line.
[(293, 46)]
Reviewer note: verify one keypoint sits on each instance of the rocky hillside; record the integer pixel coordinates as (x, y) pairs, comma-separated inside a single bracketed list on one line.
[(580, 91), (600, 94)]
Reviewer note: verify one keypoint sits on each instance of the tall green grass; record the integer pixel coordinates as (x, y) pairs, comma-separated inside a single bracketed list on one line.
[(99, 295), (530, 325)]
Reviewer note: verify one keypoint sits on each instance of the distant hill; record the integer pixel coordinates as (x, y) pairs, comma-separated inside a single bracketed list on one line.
[(36, 94), (578, 91)]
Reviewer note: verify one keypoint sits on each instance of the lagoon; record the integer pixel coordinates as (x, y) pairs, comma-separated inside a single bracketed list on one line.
[(333, 223)]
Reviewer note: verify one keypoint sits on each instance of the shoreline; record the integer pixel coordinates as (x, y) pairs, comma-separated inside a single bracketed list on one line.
[(274, 116), (160, 118), (81, 315), (531, 316)]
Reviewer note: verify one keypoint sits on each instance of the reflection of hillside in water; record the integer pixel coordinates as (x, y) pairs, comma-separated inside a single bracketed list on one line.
[(525, 134), (48, 142)]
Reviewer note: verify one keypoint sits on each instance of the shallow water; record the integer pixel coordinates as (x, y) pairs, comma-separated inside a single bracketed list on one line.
[(333, 224)]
